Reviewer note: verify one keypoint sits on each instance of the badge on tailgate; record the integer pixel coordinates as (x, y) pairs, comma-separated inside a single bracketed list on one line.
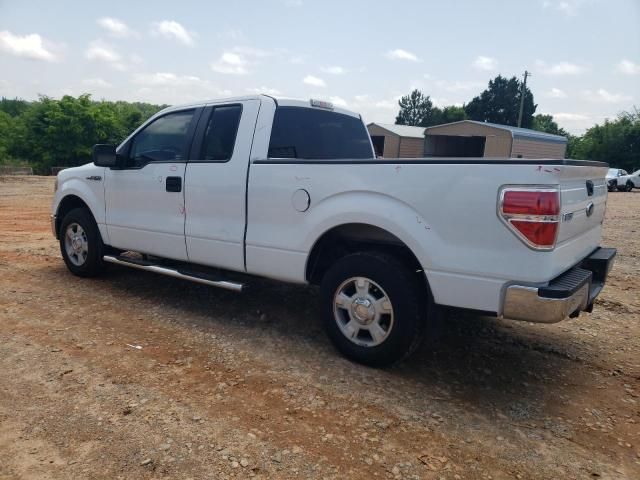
[(590, 188)]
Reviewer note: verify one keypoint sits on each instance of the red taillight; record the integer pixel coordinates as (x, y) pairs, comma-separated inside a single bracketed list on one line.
[(532, 214), (522, 202), (541, 234)]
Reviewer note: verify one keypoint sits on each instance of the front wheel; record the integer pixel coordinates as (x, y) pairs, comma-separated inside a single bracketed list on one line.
[(374, 307), (629, 186), (81, 244)]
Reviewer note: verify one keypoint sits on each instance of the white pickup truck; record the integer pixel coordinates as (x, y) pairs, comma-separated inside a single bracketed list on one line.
[(215, 192)]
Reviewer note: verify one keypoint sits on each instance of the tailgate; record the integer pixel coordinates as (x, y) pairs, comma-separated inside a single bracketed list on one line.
[(583, 197)]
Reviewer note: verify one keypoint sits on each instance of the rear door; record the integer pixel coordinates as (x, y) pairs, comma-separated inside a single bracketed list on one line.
[(216, 182), (145, 199)]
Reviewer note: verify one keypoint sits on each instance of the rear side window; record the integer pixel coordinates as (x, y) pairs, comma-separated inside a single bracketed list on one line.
[(309, 133), (220, 136)]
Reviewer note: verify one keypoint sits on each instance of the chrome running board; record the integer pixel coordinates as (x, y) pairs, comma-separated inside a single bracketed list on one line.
[(171, 272)]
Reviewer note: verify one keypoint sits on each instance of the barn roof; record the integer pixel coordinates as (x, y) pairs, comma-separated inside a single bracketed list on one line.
[(402, 130), (516, 132)]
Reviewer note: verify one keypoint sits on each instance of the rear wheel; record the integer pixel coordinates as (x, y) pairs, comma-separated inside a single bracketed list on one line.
[(374, 307), (81, 244)]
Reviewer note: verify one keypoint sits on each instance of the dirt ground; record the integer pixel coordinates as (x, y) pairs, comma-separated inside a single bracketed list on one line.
[(245, 385)]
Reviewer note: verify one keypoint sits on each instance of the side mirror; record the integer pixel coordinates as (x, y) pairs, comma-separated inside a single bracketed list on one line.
[(105, 155)]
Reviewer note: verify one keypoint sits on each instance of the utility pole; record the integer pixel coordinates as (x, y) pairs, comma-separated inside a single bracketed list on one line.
[(522, 93)]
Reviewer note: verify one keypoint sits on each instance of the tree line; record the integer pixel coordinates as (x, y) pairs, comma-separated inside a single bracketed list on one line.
[(616, 141), (61, 133)]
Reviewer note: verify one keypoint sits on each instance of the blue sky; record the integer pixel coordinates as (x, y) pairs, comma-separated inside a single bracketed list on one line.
[(584, 54)]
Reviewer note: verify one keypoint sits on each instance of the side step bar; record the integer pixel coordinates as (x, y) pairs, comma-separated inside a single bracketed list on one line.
[(171, 272)]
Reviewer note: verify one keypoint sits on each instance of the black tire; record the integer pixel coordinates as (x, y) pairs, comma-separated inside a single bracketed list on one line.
[(629, 187), (407, 292), (93, 264), (613, 186)]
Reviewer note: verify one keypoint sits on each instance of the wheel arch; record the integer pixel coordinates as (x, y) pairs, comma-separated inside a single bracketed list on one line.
[(346, 238), (68, 203)]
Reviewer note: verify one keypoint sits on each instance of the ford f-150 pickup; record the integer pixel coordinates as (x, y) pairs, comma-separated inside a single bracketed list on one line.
[(215, 192)]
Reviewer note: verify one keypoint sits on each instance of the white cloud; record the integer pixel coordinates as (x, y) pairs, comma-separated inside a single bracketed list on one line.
[(100, 52), (174, 31), (568, 7), (314, 81), (234, 34), (386, 104), (603, 96), (116, 28), (252, 52), (338, 102), (230, 63), (297, 60), (334, 70), (576, 123), (96, 83), (239, 59), (400, 54), (485, 63), (570, 116), (168, 87), (28, 46), (459, 86), (628, 67), (166, 79), (556, 93), (561, 68), (264, 90), (362, 98)]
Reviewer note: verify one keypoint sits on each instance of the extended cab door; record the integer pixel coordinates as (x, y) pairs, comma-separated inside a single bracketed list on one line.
[(145, 198), (216, 183)]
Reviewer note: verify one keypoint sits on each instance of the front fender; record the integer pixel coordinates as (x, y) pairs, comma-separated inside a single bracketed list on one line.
[(74, 182), (86, 194)]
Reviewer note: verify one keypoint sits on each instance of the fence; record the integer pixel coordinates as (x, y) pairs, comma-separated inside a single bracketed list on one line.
[(16, 170)]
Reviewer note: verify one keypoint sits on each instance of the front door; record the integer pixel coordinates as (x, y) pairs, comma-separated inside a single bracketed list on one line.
[(145, 199)]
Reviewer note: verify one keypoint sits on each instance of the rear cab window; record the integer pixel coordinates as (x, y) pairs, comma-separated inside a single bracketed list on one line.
[(310, 133), (221, 132)]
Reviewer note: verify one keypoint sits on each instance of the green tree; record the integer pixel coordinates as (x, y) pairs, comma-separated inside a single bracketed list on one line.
[(50, 132), (416, 109), (452, 113), (6, 133), (616, 142), (546, 123), (500, 103), (13, 107)]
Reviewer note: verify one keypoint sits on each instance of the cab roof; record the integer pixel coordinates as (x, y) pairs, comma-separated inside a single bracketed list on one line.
[(287, 102)]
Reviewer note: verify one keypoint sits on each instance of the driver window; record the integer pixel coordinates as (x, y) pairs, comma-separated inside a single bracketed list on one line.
[(163, 140)]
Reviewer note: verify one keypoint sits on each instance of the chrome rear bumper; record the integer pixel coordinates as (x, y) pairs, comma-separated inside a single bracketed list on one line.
[(565, 296)]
